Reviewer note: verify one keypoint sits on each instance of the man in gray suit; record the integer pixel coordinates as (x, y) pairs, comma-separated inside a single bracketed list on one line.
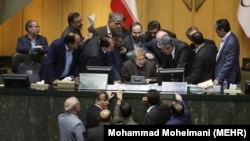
[(70, 126), (227, 67)]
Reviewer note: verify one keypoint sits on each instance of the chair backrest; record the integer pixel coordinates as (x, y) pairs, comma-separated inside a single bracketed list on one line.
[(20, 59)]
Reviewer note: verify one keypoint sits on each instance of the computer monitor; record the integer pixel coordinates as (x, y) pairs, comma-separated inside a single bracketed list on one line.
[(170, 75), (103, 70), (16, 80)]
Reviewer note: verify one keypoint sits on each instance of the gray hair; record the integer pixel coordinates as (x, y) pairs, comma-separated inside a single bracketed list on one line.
[(165, 42), (115, 17)]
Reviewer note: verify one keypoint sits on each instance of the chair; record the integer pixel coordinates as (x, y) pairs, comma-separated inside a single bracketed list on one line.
[(27, 64), (20, 59)]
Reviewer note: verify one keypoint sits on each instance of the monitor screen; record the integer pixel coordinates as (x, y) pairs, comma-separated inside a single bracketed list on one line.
[(170, 75), (103, 70), (16, 80)]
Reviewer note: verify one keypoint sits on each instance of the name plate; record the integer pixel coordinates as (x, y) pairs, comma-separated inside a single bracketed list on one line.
[(174, 86)]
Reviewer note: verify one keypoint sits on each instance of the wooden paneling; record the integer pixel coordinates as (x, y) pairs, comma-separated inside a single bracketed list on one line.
[(52, 24), (172, 14), (11, 30)]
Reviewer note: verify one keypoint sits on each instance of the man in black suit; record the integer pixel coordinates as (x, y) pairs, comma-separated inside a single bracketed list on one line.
[(193, 29), (203, 64), (95, 52), (176, 53), (92, 113), (97, 133)]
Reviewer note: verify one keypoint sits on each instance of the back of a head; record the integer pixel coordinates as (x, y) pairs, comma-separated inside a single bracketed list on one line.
[(70, 103), (70, 37), (125, 108), (159, 34), (105, 116), (197, 38), (153, 97), (177, 108)]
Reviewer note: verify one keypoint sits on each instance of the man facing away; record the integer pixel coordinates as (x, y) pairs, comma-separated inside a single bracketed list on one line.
[(70, 126)]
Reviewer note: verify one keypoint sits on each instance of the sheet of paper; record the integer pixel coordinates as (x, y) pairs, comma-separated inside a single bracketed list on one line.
[(91, 19)]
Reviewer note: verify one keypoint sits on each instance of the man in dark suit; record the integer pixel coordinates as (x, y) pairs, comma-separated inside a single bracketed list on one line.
[(176, 53), (227, 66), (203, 63), (180, 112), (157, 113), (62, 59), (95, 52), (27, 44), (138, 65), (193, 29), (75, 25), (70, 126), (101, 102), (97, 133)]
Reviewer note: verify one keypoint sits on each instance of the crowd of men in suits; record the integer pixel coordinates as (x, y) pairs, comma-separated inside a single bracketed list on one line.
[(113, 45)]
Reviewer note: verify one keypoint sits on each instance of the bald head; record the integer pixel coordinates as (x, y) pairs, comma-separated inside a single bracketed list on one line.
[(105, 115), (159, 34), (70, 104)]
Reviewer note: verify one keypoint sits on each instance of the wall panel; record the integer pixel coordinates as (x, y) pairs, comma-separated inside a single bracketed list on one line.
[(12, 29), (52, 19)]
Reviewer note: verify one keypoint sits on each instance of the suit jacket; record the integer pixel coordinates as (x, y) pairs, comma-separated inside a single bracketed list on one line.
[(54, 63), (92, 114), (24, 44), (158, 115), (184, 119), (130, 68), (227, 65), (203, 64), (118, 119), (71, 127), (182, 56), (92, 55), (152, 47), (128, 43), (101, 31), (95, 133)]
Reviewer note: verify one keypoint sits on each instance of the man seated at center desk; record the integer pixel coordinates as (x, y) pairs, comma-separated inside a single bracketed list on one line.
[(138, 65)]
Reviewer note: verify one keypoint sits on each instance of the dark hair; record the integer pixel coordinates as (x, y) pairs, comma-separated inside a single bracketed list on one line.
[(134, 24), (154, 25), (153, 97), (197, 38), (70, 37), (222, 24), (104, 41), (177, 108), (72, 16), (29, 24), (125, 108), (99, 93)]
